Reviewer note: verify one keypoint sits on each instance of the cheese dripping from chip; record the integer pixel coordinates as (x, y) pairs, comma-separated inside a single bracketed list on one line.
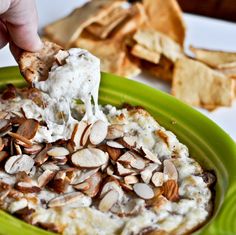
[(77, 78)]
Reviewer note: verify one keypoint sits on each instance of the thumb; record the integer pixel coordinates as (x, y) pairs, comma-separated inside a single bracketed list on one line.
[(21, 21)]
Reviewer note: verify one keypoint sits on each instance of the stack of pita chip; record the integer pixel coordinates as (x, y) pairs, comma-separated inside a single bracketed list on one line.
[(148, 36)]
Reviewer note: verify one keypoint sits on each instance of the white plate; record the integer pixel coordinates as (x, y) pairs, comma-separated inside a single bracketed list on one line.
[(202, 32)]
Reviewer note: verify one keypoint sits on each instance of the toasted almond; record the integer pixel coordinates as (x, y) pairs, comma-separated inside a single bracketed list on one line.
[(85, 135), (50, 166), (28, 128), (82, 186), (122, 171), (114, 153), (89, 158), (127, 158), (157, 179), (60, 182), (26, 187), (108, 201), (61, 56), (146, 174), (143, 190), (81, 176), (4, 124), (77, 134), (19, 163), (171, 190), (58, 151), (34, 149), (150, 156), (130, 179), (42, 156), (114, 144), (115, 131), (170, 169), (45, 177), (3, 155), (98, 132), (18, 149), (94, 184), (65, 199), (21, 139)]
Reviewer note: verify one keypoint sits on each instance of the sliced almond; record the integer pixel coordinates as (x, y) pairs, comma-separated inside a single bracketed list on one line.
[(34, 149), (66, 199), (128, 141), (3, 155), (110, 170), (139, 162), (60, 161), (28, 128), (94, 184), (108, 201), (26, 187), (98, 132), (114, 144), (61, 56), (85, 135), (89, 158), (81, 176), (4, 124), (143, 190), (131, 179), (22, 176), (19, 163), (60, 182), (127, 158), (150, 156), (18, 149), (146, 174), (114, 153), (82, 186), (77, 134), (42, 156), (58, 151), (45, 177), (170, 169), (157, 179), (115, 131), (112, 185), (122, 171), (50, 166), (171, 190), (21, 139)]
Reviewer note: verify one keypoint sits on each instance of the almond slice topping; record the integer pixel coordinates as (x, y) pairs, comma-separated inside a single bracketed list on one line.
[(85, 135), (114, 153), (58, 152), (34, 149), (98, 132), (19, 163), (108, 201), (150, 156), (171, 190), (170, 169), (45, 177), (89, 158), (157, 179), (22, 140), (115, 131), (82, 186), (127, 158), (114, 144), (26, 187), (143, 190), (28, 128), (94, 184), (123, 171), (42, 156), (131, 179), (146, 174)]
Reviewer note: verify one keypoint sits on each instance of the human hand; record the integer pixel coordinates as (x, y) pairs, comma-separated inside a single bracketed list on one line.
[(18, 26)]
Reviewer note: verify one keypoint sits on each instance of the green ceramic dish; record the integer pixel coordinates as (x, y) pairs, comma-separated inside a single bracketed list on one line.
[(207, 142)]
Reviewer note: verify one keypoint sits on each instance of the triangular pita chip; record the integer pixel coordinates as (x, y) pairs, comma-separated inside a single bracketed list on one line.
[(65, 31), (159, 43), (199, 85), (166, 16)]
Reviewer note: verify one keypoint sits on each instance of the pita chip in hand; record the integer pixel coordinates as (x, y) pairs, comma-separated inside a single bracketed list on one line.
[(199, 85)]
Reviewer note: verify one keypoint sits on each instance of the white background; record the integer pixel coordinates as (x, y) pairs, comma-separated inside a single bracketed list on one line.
[(201, 32)]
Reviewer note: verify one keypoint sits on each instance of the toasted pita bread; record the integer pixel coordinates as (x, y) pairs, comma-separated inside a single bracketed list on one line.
[(215, 59), (163, 70), (158, 43), (199, 85), (143, 53), (34, 66), (103, 27), (166, 17), (65, 31)]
